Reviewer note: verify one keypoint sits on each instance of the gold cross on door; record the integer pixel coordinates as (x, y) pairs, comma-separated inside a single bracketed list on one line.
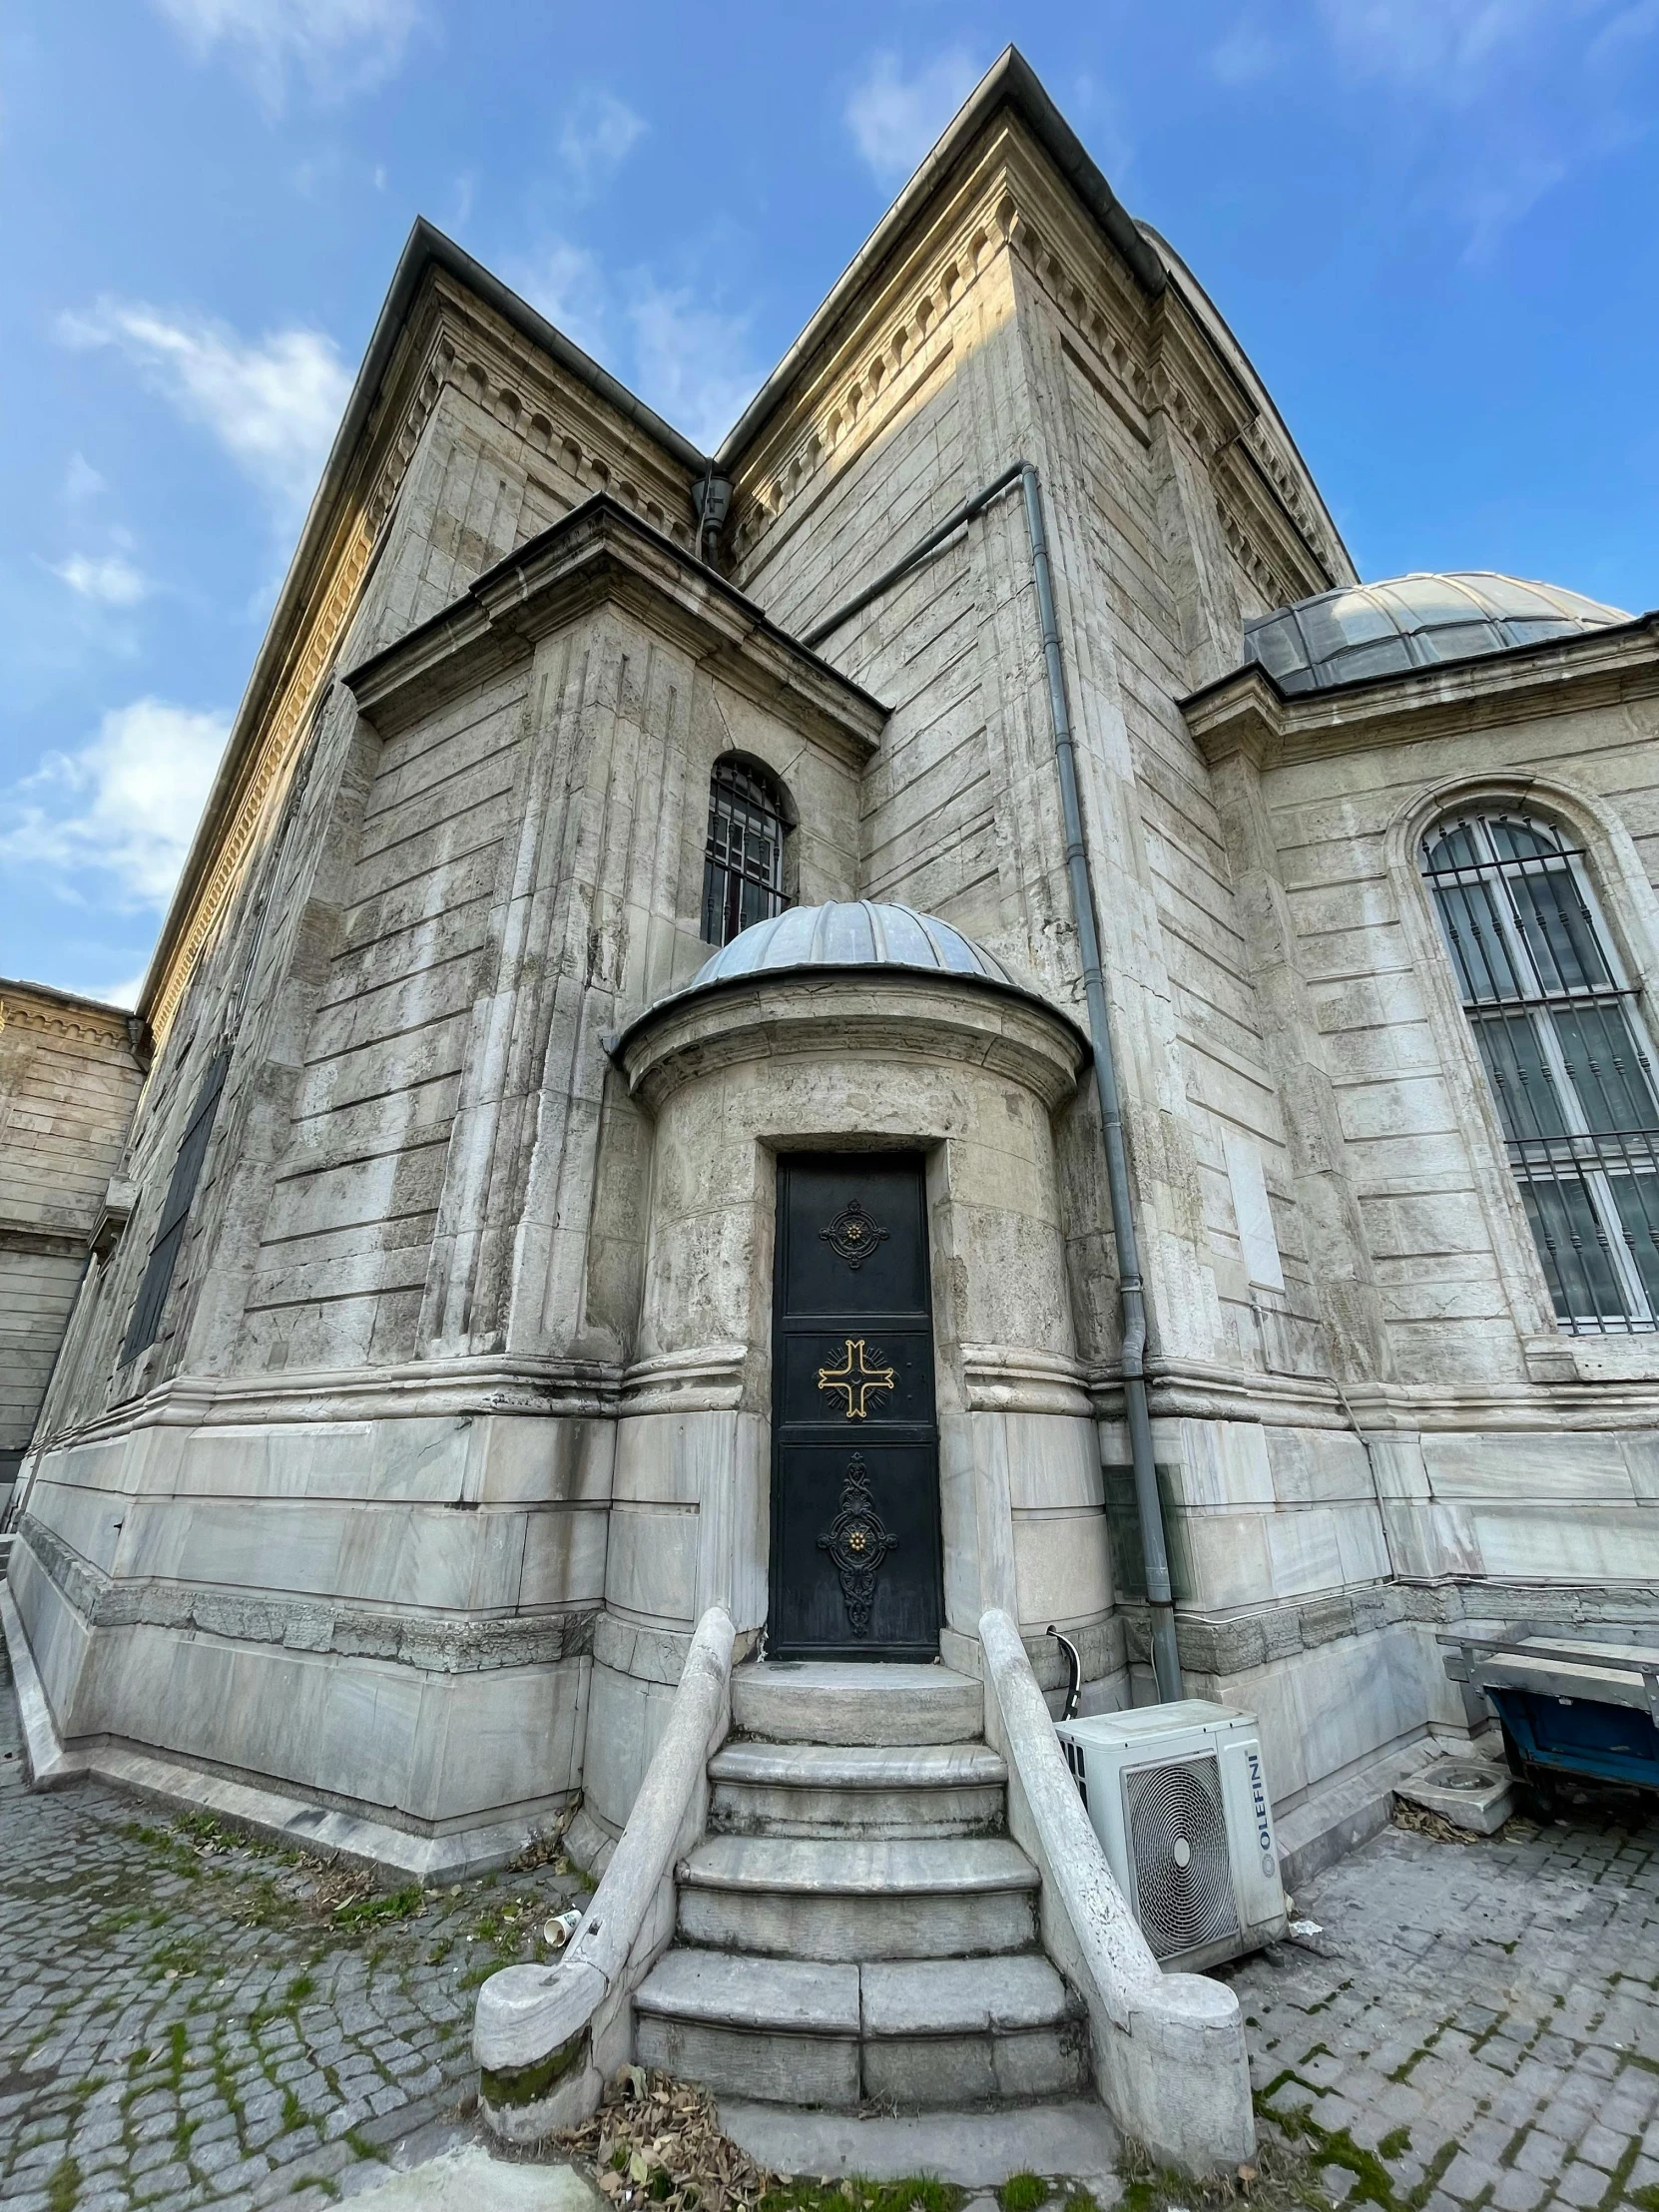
[(856, 1379)]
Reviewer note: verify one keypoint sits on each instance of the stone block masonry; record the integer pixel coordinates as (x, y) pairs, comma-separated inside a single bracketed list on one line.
[(69, 1077)]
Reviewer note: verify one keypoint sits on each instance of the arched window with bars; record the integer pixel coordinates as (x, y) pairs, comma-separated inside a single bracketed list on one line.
[(1561, 1035), (743, 860)]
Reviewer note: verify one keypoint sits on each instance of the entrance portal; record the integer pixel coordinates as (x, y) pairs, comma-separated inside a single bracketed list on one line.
[(855, 1567)]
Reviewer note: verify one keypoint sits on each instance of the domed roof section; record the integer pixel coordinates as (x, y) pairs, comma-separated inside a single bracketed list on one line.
[(859, 932), (1417, 621)]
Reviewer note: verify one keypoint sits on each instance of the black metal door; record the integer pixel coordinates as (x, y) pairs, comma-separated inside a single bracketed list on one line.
[(856, 1570)]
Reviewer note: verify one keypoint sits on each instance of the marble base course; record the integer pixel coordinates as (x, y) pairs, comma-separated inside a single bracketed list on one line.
[(328, 1833), (392, 1745)]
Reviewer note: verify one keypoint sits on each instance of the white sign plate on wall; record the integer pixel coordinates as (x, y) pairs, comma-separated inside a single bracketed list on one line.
[(1252, 1211)]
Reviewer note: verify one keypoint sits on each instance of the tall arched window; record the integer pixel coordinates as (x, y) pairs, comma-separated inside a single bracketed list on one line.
[(1561, 1034), (743, 861)]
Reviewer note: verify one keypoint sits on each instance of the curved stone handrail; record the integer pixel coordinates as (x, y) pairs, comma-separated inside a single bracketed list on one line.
[(546, 2038), (1168, 2048)]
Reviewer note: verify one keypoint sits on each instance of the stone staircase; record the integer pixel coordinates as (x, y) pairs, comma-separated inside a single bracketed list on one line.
[(857, 1925)]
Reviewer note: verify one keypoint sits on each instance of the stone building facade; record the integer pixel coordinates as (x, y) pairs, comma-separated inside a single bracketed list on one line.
[(432, 1390), (69, 1077)]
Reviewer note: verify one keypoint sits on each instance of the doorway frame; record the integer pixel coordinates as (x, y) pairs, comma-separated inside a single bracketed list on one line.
[(919, 1152)]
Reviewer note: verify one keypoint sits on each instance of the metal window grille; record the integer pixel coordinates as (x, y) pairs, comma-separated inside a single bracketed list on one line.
[(170, 1229), (743, 861), (1565, 1049)]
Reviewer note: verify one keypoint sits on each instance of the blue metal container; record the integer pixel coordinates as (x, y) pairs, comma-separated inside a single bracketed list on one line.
[(1582, 1703)]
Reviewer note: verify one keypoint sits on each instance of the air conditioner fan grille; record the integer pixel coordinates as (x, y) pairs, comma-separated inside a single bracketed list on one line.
[(1178, 1840)]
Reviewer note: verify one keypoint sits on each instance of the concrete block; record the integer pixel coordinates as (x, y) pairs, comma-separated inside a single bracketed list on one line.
[(1467, 1791)]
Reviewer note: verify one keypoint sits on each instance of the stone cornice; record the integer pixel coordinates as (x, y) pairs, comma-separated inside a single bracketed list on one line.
[(857, 1011), (1010, 102), (35, 1237), (1190, 1390), (600, 554), (1245, 712), (487, 359), (900, 326), (416, 1390), (869, 369), (1009, 87), (434, 1643), (39, 1008)]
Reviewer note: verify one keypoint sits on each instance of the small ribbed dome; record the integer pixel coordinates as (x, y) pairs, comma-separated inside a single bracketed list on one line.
[(857, 933), (1364, 630)]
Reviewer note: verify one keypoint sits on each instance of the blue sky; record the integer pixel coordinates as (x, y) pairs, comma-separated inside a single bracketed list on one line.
[(1431, 223)]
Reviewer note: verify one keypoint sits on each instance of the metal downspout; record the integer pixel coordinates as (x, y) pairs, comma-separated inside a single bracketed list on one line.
[(1166, 1658)]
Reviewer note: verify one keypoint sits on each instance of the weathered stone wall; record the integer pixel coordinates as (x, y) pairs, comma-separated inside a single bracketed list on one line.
[(447, 1390), (1506, 1450), (68, 1079), (405, 1238)]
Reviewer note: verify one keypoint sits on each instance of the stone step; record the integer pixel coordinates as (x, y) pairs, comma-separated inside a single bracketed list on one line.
[(801, 1701), (963, 2030), (816, 1897), (785, 2030), (872, 1790), (925, 2033)]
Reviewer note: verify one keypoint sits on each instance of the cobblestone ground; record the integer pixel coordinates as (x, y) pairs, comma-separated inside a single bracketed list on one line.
[(189, 2022), (1477, 2024), (186, 2020)]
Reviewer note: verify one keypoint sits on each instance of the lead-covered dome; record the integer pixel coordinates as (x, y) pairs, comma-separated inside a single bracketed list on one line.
[(860, 932), (1419, 621)]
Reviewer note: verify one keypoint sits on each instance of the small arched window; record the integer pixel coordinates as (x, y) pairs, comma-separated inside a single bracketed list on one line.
[(743, 861), (1561, 1035)]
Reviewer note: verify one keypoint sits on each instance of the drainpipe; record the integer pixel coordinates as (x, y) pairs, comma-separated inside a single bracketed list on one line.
[(1166, 1660), (712, 499)]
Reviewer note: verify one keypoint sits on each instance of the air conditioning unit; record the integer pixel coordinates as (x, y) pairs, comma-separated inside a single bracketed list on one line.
[(1178, 1797)]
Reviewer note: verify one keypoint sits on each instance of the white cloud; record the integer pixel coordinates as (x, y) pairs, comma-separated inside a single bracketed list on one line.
[(1443, 46), (689, 361), (1628, 29), (1245, 55), (598, 134), (123, 808), (81, 480), (894, 119), (274, 405), (1528, 83), (567, 283), (108, 578), (341, 45), (1493, 205), (124, 993), (692, 363)]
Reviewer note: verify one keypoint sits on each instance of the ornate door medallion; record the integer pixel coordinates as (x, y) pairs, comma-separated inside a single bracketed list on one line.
[(857, 1545)]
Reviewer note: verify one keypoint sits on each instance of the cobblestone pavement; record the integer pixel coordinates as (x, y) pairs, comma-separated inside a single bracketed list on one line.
[(1477, 2024), (187, 2021)]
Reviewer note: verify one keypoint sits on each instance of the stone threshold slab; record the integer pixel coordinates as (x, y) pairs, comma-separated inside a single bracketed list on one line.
[(975, 2149)]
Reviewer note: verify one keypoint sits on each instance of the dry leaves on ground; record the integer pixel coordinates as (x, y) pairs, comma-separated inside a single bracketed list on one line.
[(656, 2141)]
